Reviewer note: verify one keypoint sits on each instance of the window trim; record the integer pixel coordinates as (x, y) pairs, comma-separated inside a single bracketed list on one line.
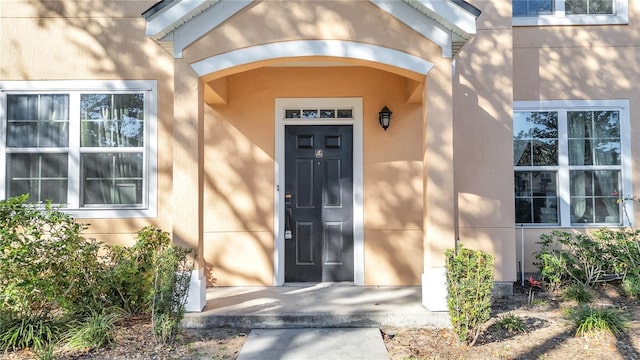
[(563, 169), (150, 150), (560, 17)]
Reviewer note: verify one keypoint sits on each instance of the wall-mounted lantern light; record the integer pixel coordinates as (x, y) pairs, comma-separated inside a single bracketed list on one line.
[(384, 116)]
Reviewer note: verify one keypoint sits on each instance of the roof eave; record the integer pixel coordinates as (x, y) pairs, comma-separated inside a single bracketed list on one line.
[(455, 16), (167, 15)]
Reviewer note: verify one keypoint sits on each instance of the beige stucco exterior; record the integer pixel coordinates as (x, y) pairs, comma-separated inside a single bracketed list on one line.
[(51, 40), (442, 172), (483, 95), (600, 60), (239, 198)]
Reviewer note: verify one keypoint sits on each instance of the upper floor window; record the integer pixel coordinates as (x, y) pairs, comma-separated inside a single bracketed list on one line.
[(589, 7), (532, 7), (569, 12), (86, 146), (571, 162)]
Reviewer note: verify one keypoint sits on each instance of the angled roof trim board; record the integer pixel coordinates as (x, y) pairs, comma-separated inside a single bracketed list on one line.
[(457, 19), (197, 27), (166, 16), (426, 27), (176, 22)]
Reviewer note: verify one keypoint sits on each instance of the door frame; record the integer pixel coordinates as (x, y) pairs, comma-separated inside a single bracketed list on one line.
[(354, 103)]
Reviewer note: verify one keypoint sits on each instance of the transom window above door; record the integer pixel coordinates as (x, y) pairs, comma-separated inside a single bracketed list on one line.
[(322, 113)]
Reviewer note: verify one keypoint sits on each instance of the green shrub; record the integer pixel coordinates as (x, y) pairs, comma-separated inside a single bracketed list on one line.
[(131, 271), (469, 285), (566, 258), (512, 323), (171, 287), (631, 286), (622, 250), (94, 331), (579, 292), (45, 261), (589, 320), (49, 271), (52, 275)]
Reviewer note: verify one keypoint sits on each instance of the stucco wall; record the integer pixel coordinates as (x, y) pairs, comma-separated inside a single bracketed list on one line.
[(239, 167), (105, 40), (579, 63), (483, 138), (93, 40)]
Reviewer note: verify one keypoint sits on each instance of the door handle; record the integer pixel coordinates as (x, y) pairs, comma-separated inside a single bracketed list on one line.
[(288, 235), (288, 203)]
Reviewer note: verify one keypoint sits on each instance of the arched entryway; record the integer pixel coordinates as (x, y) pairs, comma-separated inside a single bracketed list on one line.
[(230, 87)]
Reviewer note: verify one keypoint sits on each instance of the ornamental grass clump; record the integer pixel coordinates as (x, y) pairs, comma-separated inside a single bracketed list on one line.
[(469, 285), (589, 320), (28, 332), (95, 331)]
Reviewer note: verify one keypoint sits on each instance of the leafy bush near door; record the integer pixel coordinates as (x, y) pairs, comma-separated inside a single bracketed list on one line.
[(170, 290), (130, 271), (469, 286), (48, 269), (55, 286)]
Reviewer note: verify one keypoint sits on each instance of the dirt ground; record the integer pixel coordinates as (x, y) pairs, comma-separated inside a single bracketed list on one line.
[(548, 336)]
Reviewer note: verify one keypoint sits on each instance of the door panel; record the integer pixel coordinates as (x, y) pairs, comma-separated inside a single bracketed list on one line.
[(319, 203), (304, 243), (305, 183), (333, 183)]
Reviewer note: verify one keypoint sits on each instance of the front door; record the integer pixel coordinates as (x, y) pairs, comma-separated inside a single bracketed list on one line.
[(318, 203)]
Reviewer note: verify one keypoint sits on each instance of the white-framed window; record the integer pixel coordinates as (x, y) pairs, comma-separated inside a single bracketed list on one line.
[(569, 12), (572, 162), (87, 146)]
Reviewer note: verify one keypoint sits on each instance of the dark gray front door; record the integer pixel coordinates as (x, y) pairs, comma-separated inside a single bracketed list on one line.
[(318, 203)]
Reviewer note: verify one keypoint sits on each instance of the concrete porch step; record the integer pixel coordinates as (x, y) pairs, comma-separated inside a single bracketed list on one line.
[(316, 306)]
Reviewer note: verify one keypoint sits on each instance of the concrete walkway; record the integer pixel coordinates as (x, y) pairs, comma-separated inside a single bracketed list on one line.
[(315, 306), (314, 344)]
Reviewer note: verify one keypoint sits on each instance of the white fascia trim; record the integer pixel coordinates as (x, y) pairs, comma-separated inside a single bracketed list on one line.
[(208, 20), (78, 85), (449, 12), (426, 27), (174, 15), (550, 20), (543, 105), (305, 48)]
